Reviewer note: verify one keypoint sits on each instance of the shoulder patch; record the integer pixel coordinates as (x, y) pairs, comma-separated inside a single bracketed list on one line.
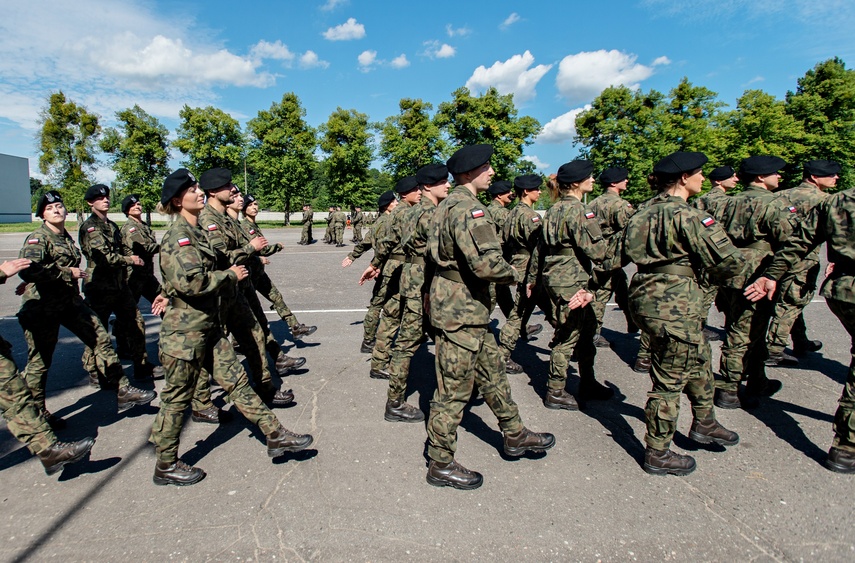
[(90, 229), (477, 213), (792, 209), (535, 219), (33, 241), (590, 215), (708, 221), (132, 230), (629, 205), (183, 241), (212, 227), (252, 231)]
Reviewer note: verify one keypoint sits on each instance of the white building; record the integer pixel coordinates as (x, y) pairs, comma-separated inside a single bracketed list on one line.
[(15, 190)]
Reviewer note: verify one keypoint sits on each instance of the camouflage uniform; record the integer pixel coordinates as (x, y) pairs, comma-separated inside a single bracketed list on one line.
[(106, 287), (356, 221), (192, 343), (24, 418), (416, 276), (500, 294), (671, 242), (754, 219), (380, 289), (798, 286), (468, 256), (613, 213), (139, 240), (53, 299), (520, 233), (338, 223), (831, 222), (713, 203), (306, 233), (571, 241)]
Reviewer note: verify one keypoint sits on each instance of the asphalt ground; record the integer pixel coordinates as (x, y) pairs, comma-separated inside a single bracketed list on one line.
[(360, 493)]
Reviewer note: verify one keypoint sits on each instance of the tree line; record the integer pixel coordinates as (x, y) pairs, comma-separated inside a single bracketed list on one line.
[(285, 162)]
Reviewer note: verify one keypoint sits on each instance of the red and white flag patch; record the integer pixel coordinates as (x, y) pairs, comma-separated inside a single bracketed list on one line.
[(708, 221), (212, 227), (132, 230), (252, 231), (33, 241), (183, 241), (590, 215), (90, 229), (535, 219), (792, 209), (477, 213)]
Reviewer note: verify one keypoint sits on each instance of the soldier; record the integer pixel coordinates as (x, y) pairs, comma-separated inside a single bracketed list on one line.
[(757, 222), (467, 254), (501, 195), (831, 221), (192, 341), (612, 212), (339, 223), (24, 419), (571, 241), (261, 281), (52, 298), (328, 234), (387, 203), (356, 221), (672, 243), (797, 287), (521, 232), (106, 285), (306, 233), (415, 279), (223, 235)]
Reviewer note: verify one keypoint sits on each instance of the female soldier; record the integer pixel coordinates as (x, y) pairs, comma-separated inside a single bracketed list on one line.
[(571, 241), (191, 335), (52, 298), (673, 245)]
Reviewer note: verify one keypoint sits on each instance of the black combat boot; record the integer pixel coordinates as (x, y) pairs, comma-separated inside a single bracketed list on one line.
[(144, 371), (301, 330), (513, 367), (642, 365), (273, 397), (781, 359), (840, 461), (177, 473), (803, 347), (530, 331), (560, 399), (367, 346), (664, 462), (379, 374), (62, 453), (212, 415), (601, 342), (709, 431), (400, 411), (726, 399), (129, 396), (284, 440), (286, 364), (526, 440), (453, 475)]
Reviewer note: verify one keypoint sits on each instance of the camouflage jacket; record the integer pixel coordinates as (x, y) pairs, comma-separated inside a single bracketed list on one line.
[(101, 243), (498, 215), (713, 202), (414, 241), (307, 217), (571, 243), (463, 243), (613, 213), (51, 284), (138, 239), (520, 234), (224, 235), (253, 230), (192, 279), (387, 238), (831, 222), (367, 242), (804, 198), (338, 219), (357, 219)]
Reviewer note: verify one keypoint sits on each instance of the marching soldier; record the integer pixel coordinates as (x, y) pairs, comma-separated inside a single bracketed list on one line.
[(306, 233)]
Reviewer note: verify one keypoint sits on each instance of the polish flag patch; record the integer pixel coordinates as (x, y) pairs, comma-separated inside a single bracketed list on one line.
[(90, 229), (590, 215), (183, 241), (132, 230), (792, 209), (33, 241), (477, 213), (708, 222), (212, 227), (535, 219), (252, 231)]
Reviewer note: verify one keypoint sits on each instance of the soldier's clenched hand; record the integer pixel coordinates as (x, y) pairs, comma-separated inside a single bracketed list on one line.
[(258, 243), (241, 271)]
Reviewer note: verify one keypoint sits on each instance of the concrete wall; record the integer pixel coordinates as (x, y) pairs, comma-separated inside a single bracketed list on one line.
[(14, 189)]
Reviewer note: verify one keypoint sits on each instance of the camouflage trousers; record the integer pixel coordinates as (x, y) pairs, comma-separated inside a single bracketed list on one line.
[(390, 320), (271, 345), (406, 344), (384, 289), (357, 233), (677, 366), (124, 306), (338, 234), (795, 292), (466, 357), (608, 284), (844, 418), (41, 331), (743, 354), (306, 233), (142, 285), (182, 381), (643, 347), (328, 234), (23, 417), (521, 311), (574, 330), (264, 285)]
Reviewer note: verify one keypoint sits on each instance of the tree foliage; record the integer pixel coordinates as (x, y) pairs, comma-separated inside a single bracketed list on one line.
[(410, 139), (348, 144), (209, 138)]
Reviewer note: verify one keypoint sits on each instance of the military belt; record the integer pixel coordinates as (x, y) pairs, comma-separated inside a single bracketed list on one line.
[(398, 257), (759, 245), (198, 304), (562, 251), (416, 260), (452, 275), (674, 269)]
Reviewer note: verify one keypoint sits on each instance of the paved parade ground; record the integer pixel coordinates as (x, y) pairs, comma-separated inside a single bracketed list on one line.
[(360, 493)]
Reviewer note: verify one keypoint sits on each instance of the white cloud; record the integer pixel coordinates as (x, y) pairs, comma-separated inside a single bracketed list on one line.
[(366, 59), (510, 20), (562, 128), (331, 5), (539, 164), (400, 62), (754, 80), (582, 76), (457, 32), (310, 59), (663, 60), (346, 31), (436, 50), (510, 77), (266, 50)]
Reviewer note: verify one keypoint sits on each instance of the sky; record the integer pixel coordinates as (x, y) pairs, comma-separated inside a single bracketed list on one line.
[(555, 57)]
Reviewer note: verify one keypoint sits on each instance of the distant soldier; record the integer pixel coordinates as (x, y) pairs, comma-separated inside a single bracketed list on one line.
[(357, 220), (501, 195), (306, 234), (328, 234), (338, 224)]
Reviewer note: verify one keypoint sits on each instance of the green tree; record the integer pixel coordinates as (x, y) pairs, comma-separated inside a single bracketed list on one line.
[(67, 142), (490, 118), (692, 111), (210, 138), (281, 154), (410, 139), (139, 151), (348, 144), (824, 102)]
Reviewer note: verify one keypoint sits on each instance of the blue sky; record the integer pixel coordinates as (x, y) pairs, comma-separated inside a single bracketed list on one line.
[(554, 56)]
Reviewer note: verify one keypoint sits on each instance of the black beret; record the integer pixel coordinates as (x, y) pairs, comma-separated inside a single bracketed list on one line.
[(761, 165), (96, 191), (680, 163), (528, 182), (247, 199), (176, 183), (613, 175), (721, 173), (46, 199), (385, 199), (128, 202), (432, 174), (469, 158), (215, 178), (406, 184), (822, 168), (499, 187), (575, 171)]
